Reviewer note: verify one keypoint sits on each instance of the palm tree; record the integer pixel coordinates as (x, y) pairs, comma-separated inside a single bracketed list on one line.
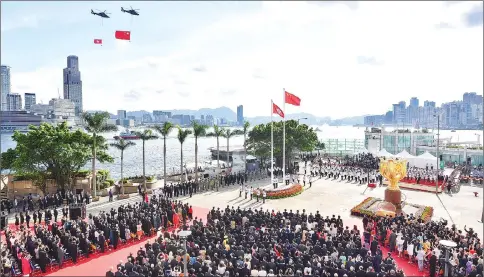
[(228, 134), (122, 145), (96, 123), (198, 130), (147, 134), (245, 130), (164, 130), (182, 136), (217, 133)]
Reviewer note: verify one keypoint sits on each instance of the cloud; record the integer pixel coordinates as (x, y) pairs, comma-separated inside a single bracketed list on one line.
[(227, 92), (314, 50), (184, 93), (443, 25), (132, 95), (200, 68), (368, 60), (474, 17)]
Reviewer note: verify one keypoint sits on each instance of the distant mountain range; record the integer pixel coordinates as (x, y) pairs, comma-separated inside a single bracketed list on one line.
[(229, 114)]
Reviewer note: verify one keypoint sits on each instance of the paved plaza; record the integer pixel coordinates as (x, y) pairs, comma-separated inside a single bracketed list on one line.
[(334, 197)]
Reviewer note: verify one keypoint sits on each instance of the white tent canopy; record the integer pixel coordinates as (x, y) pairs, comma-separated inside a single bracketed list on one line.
[(407, 156), (384, 153), (424, 160)]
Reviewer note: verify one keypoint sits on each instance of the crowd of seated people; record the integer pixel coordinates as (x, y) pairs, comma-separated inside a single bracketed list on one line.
[(52, 244), (249, 242), (418, 242)]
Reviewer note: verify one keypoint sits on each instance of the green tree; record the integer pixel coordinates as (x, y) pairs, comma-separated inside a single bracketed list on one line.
[(122, 145), (299, 137), (245, 131), (198, 130), (217, 133), (320, 146), (229, 134), (182, 136), (96, 123), (147, 134), (55, 152), (7, 160), (164, 130)]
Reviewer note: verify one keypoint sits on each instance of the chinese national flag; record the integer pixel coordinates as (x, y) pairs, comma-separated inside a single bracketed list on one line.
[(277, 110), (123, 35), (292, 99), (98, 41)]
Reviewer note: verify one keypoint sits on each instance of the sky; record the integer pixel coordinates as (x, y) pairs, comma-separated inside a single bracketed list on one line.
[(341, 58)]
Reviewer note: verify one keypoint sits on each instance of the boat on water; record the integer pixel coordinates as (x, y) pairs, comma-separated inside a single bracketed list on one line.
[(453, 131), (127, 135)]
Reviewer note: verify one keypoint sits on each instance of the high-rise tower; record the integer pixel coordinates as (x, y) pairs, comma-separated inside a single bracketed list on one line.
[(73, 83), (5, 88)]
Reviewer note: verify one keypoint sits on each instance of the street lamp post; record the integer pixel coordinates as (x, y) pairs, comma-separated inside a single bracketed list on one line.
[(482, 161), (301, 119), (437, 151)]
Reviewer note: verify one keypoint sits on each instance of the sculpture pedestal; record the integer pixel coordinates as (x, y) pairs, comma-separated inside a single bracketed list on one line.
[(394, 197)]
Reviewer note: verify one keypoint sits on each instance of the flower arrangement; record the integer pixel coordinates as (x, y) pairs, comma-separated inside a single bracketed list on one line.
[(290, 191), (364, 208)]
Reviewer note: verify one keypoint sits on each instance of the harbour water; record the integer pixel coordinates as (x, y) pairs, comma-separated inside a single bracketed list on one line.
[(154, 149)]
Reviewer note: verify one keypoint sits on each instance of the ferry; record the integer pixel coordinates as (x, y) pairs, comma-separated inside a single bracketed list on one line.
[(453, 131), (127, 135)]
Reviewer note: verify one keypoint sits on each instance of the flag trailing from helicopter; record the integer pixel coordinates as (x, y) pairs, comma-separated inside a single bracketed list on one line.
[(123, 35)]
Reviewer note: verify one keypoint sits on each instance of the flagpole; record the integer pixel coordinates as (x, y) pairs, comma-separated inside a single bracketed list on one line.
[(284, 136), (272, 143)]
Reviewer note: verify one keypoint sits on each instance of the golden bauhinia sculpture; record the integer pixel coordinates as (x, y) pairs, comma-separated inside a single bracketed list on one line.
[(393, 171)]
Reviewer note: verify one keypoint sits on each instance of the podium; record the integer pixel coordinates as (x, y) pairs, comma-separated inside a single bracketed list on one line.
[(77, 211)]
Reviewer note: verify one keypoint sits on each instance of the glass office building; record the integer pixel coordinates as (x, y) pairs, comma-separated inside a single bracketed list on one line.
[(396, 141), (343, 147)]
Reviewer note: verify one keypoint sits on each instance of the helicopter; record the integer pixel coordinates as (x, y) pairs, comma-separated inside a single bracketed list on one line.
[(103, 14), (130, 11)]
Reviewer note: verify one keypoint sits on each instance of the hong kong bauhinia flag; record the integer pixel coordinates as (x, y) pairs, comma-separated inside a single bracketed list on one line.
[(277, 110), (292, 99), (98, 41)]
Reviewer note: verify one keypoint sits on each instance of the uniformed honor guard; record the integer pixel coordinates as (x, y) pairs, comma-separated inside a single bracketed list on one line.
[(250, 192), (257, 194), (240, 190), (246, 191), (264, 195)]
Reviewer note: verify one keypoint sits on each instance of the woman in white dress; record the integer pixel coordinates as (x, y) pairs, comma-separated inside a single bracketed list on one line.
[(410, 251), (400, 242)]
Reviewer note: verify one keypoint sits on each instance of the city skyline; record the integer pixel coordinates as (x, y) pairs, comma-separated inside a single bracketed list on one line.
[(205, 54)]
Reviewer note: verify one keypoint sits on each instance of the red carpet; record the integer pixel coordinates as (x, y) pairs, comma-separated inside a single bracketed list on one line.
[(408, 269), (97, 265)]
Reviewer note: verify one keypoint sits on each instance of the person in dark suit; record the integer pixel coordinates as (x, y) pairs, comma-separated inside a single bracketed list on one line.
[(110, 273), (433, 264), (102, 242), (373, 246)]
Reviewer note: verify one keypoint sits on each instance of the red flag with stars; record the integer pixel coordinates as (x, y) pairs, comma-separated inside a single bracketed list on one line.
[(292, 99), (277, 110), (123, 35), (98, 41)]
